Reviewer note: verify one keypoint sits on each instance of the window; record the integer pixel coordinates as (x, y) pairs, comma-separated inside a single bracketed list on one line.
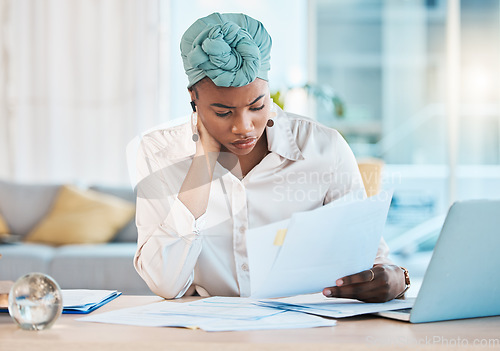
[(387, 62)]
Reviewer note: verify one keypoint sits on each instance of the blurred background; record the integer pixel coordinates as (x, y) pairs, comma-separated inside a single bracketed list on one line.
[(414, 83)]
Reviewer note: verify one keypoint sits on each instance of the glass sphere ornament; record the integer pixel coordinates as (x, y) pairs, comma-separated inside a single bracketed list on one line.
[(35, 301)]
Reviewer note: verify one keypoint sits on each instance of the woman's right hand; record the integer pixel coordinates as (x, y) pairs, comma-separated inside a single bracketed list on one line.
[(206, 143), (195, 189)]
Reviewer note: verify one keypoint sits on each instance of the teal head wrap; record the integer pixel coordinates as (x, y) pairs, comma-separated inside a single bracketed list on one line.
[(231, 49)]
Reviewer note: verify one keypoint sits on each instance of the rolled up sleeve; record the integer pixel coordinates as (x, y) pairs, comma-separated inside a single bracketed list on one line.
[(169, 240)]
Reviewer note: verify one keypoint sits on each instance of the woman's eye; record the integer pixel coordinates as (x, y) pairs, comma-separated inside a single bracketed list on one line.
[(257, 108), (225, 114)]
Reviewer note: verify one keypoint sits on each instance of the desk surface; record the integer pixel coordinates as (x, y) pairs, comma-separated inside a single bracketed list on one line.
[(356, 333)]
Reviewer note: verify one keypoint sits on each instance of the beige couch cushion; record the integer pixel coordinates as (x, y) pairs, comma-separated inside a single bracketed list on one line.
[(129, 232), (24, 205), (4, 229), (82, 217), (371, 173)]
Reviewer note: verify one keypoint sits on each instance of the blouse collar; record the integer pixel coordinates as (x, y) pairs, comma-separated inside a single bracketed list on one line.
[(280, 138)]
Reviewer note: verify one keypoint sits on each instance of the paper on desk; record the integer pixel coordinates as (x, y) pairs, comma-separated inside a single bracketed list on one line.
[(235, 308), (288, 320), (320, 246), (320, 305), (211, 314)]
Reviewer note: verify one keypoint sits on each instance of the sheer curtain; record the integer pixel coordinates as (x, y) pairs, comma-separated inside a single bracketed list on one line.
[(78, 80)]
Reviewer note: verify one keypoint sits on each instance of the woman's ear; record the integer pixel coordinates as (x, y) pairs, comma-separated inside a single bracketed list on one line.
[(192, 94)]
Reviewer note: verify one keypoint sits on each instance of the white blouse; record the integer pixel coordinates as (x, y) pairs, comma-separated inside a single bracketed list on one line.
[(309, 165)]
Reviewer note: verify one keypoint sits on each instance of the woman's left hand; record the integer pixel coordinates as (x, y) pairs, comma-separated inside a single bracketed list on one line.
[(384, 284)]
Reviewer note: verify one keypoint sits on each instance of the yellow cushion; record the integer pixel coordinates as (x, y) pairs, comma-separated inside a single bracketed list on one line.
[(82, 217), (4, 228), (371, 173)]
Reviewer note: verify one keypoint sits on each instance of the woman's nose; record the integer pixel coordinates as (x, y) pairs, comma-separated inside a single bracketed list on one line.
[(242, 125)]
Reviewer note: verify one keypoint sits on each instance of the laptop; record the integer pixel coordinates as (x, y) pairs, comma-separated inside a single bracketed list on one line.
[(463, 276)]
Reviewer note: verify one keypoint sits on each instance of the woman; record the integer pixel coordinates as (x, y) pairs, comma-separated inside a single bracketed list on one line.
[(241, 163)]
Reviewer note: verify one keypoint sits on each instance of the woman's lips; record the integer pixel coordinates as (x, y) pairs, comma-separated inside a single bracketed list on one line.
[(245, 143)]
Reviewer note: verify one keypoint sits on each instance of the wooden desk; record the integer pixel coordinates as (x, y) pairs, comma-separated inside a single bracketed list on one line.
[(357, 333)]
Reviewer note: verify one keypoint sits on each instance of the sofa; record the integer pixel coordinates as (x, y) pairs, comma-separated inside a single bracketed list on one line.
[(100, 263)]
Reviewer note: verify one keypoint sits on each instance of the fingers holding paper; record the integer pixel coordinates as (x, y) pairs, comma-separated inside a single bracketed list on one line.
[(381, 283)]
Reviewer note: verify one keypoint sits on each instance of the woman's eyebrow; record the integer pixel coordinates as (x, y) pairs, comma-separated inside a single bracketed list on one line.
[(222, 106), (253, 102), (229, 107)]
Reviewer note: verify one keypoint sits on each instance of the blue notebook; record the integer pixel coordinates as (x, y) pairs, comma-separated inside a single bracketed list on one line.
[(85, 301), (82, 301)]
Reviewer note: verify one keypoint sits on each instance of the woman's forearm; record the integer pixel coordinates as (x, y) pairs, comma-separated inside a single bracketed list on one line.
[(165, 260)]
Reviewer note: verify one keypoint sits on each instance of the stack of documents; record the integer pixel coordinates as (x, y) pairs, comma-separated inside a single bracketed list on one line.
[(85, 301), (211, 314), (239, 313), (320, 305)]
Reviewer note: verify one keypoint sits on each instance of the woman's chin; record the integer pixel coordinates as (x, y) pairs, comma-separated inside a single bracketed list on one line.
[(238, 150)]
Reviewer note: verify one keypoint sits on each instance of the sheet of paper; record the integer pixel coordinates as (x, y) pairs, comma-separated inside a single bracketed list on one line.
[(320, 305), (288, 320), (320, 246), (235, 308), (261, 250), (211, 314)]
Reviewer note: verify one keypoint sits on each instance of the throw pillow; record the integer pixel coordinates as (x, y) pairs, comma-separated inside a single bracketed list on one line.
[(24, 205), (129, 232), (82, 217), (4, 228)]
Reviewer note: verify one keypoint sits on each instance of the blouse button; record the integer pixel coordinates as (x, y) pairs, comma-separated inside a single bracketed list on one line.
[(242, 229), (244, 266)]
